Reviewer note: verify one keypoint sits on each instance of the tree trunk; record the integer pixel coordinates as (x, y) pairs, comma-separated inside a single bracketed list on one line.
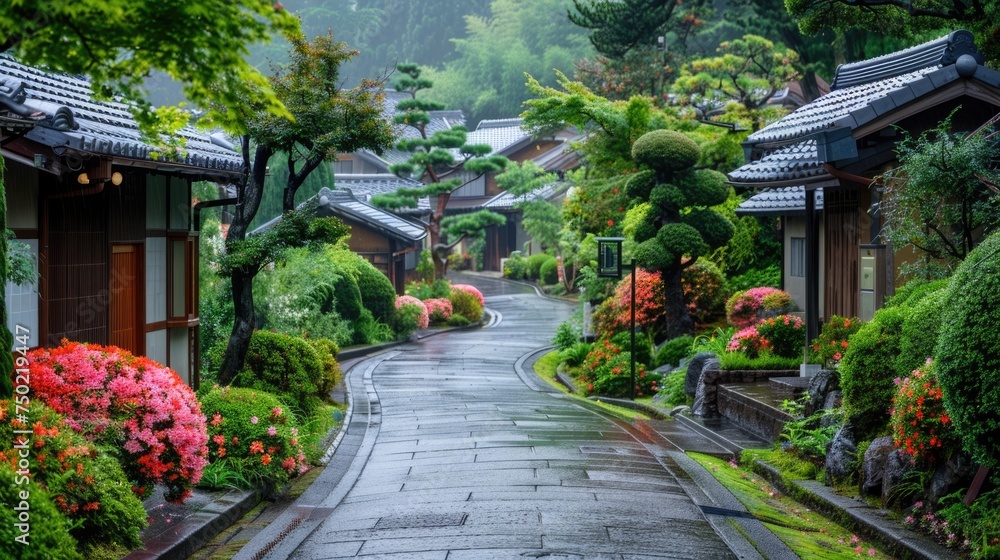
[(438, 256), (679, 321), (250, 194), (239, 338)]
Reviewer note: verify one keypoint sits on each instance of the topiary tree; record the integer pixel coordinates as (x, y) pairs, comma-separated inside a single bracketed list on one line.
[(287, 366), (920, 332), (967, 354), (680, 225)]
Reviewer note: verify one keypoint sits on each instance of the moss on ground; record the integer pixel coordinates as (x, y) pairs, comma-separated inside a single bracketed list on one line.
[(806, 532)]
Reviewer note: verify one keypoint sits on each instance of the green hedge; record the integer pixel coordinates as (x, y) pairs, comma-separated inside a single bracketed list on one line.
[(968, 352), (535, 263), (868, 369), (285, 365)]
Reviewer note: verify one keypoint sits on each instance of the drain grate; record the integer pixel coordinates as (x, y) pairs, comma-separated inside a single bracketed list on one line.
[(417, 521)]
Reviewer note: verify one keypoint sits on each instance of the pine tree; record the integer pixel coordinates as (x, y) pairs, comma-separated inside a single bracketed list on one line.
[(433, 160)]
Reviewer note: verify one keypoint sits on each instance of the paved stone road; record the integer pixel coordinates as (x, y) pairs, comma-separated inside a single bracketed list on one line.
[(462, 458)]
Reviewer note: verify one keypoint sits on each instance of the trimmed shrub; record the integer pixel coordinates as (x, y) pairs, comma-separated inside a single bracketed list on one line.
[(327, 351), (747, 341), (516, 266), (535, 263), (87, 485), (673, 351), (868, 368), (575, 355), (704, 290), (615, 314), (49, 537), (548, 273), (411, 315), (285, 365), (967, 355), (377, 293), (643, 348), (833, 340), (920, 331), (458, 321), (766, 277), (251, 433), (466, 304), (785, 335), (913, 291), (470, 289), (138, 408), (920, 425), (746, 308), (438, 309)]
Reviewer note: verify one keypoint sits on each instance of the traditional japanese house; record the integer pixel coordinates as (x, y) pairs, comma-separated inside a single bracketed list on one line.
[(108, 217)]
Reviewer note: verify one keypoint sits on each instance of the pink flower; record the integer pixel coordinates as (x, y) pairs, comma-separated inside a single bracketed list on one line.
[(254, 420), (871, 552), (272, 431), (855, 539)]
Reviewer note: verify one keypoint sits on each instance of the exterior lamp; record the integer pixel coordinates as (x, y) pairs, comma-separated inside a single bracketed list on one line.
[(83, 178), (609, 265), (117, 178)]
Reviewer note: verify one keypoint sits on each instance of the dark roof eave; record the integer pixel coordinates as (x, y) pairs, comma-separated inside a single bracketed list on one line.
[(811, 183)]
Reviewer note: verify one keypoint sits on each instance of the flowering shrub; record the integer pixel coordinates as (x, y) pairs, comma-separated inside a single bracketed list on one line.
[(133, 405), (467, 304), (703, 286), (615, 314), (747, 307), (252, 433), (470, 289), (438, 309), (410, 315), (786, 335), (749, 341), (831, 344), (920, 425), (87, 485), (609, 370), (515, 266)]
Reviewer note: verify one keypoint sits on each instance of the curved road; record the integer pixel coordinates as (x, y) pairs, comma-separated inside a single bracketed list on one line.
[(451, 453)]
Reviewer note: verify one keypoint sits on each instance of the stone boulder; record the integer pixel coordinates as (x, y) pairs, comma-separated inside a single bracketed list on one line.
[(820, 386), (947, 477), (706, 399), (841, 453), (873, 464), (694, 368), (897, 464)]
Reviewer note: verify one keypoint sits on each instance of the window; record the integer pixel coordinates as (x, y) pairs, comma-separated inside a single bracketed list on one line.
[(182, 302), (798, 257)]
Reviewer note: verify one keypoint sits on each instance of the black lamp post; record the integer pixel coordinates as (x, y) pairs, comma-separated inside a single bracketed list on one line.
[(609, 265)]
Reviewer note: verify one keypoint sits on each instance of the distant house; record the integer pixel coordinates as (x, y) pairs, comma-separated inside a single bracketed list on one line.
[(508, 138), (838, 145), (392, 244), (108, 219)]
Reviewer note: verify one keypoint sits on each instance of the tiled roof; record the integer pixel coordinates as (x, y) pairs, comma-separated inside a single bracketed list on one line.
[(507, 200), (499, 134), (942, 51), (439, 120), (853, 106), (69, 119), (342, 203), (796, 161), (784, 201), (365, 186)]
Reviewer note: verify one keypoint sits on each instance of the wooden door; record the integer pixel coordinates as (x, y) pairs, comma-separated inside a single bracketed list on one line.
[(124, 303)]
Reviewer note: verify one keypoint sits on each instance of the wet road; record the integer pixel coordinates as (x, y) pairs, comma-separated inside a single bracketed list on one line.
[(461, 458)]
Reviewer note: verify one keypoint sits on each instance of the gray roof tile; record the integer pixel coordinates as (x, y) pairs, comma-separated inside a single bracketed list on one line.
[(365, 186), (796, 161), (784, 201), (74, 120)]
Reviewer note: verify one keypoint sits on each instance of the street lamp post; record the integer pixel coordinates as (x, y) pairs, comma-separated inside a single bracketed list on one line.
[(609, 265)]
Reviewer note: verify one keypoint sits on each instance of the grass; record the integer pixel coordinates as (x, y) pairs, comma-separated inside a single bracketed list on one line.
[(807, 533), (317, 427), (790, 466)]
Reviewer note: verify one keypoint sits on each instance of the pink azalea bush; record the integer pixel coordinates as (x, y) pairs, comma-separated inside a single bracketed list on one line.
[(414, 310), (131, 404), (438, 309), (470, 289), (745, 308), (748, 341)]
